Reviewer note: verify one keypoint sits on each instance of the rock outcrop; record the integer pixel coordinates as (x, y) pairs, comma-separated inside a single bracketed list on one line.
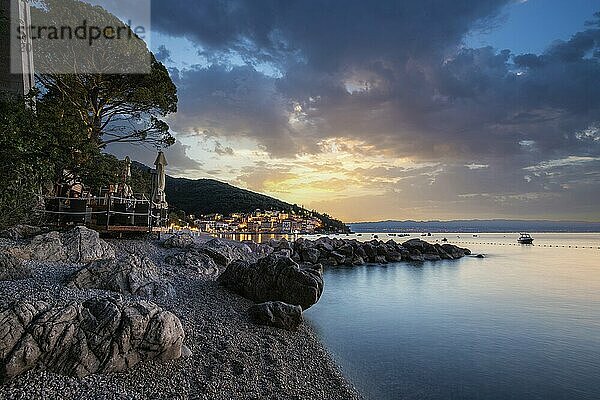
[(96, 336), (131, 274), (275, 278), (223, 252), (79, 245), (259, 250), (179, 241), (278, 314), (12, 268), (196, 261), (211, 257)]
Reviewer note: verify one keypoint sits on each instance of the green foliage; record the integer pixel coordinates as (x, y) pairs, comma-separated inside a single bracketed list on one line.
[(100, 171), (35, 148), (141, 181), (77, 115), (24, 164), (103, 169), (125, 107)]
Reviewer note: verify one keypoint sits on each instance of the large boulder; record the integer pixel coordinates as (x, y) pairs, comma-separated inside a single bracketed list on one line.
[(455, 251), (259, 250), (393, 256), (415, 255), (280, 244), (84, 245), (326, 244), (431, 257), (443, 254), (278, 314), (196, 261), (46, 247), (370, 251), (275, 278), (358, 260), (96, 336), (12, 268), (179, 241), (226, 251), (131, 274), (420, 250), (421, 245), (79, 245), (310, 255)]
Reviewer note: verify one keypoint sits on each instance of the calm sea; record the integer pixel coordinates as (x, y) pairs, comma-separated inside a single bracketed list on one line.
[(522, 323)]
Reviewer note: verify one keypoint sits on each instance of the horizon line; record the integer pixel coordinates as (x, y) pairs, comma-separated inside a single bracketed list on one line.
[(477, 220)]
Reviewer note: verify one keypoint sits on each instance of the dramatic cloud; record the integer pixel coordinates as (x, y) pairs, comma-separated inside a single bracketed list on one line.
[(322, 88)]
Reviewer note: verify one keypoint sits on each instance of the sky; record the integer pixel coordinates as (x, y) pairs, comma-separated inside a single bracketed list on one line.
[(413, 109)]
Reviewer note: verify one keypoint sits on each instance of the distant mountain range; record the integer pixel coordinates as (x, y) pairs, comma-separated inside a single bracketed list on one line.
[(494, 225)]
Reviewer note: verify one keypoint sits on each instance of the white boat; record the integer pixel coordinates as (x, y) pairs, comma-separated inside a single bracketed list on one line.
[(525, 238)]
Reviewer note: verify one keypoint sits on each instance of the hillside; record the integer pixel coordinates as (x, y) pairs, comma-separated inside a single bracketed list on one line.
[(209, 196)]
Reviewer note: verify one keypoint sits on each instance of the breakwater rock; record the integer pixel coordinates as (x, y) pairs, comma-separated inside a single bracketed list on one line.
[(329, 252), (349, 252)]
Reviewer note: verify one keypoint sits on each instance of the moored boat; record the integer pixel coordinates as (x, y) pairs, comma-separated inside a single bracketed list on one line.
[(525, 238)]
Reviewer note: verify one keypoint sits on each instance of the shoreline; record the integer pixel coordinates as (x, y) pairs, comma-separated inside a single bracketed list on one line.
[(231, 356)]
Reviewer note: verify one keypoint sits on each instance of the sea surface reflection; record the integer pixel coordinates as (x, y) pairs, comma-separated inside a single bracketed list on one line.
[(522, 323)]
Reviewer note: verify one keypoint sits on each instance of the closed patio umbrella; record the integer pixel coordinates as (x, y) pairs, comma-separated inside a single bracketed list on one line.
[(160, 176)]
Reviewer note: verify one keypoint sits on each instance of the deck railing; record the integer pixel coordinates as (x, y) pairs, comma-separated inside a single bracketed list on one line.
[(110, 212)]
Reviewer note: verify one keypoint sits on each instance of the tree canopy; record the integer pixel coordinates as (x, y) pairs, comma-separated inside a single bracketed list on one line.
[(77, 114), (33, 151), (125, 107)]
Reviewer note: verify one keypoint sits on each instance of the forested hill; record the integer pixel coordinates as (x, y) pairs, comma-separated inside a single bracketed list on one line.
[(208, 196)]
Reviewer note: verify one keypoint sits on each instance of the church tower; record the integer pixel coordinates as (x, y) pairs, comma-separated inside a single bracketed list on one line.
[(16, 57)]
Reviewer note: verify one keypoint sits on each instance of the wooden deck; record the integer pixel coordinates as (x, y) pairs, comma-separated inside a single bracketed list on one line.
[(110, 214)]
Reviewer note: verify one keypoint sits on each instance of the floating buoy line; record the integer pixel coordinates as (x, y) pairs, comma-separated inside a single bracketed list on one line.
[(526, 245)]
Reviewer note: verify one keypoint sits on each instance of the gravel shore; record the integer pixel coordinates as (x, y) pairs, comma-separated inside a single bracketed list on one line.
[(232, 358)]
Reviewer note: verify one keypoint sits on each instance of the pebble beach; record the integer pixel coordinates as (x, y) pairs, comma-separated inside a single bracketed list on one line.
[(231, 357)]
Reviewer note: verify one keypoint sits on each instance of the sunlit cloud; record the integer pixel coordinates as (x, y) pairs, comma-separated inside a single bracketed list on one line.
[(563, 162), (389, 120)]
